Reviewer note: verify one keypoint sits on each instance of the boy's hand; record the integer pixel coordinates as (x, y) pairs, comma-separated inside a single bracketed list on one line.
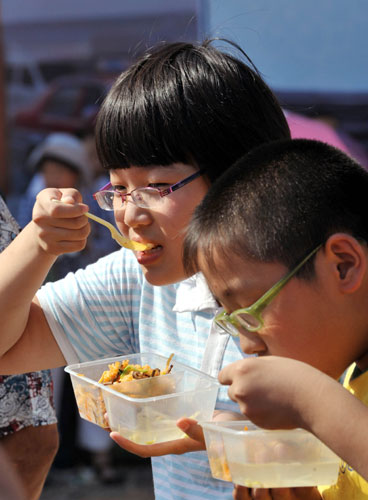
[(243, 493), (273, 392), (59, 222)]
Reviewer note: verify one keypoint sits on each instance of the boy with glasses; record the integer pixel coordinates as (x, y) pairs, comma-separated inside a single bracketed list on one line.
[(281, 240)]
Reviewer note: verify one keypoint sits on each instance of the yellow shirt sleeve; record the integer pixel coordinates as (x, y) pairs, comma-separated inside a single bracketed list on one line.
[(350, 485)]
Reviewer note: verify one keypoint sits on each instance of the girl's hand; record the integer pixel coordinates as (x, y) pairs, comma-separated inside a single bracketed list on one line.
[(194, 441), (176, 447), (59, 223)]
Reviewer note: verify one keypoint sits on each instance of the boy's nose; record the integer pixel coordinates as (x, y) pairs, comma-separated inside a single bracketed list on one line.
[(251, 343)]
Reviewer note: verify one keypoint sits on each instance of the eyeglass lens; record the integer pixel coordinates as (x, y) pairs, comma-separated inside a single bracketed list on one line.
[(146, 197), (248, 321), (113, 200), (228, 327)]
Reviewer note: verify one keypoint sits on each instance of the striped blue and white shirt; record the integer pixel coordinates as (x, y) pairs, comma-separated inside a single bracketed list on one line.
[(109, 309)]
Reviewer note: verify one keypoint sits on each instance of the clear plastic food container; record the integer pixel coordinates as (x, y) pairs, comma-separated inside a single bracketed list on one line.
[(147, 411), (259, 458)]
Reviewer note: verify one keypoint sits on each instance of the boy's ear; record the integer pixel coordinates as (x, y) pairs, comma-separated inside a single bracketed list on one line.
[(349, 260)]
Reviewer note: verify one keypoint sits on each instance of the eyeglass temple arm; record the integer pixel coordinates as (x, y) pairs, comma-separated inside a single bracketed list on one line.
[(270, 294), (106, 186), (182, 183), (170, 189)]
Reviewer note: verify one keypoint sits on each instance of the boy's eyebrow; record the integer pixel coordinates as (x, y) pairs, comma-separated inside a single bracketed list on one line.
[(214, 295), (217, 300), (228, 293)]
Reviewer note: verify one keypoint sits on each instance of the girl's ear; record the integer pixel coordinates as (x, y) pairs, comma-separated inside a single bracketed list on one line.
[(349, 260)]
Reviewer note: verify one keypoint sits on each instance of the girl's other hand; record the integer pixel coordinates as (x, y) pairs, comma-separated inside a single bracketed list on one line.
[(194, 441), (175, 447)]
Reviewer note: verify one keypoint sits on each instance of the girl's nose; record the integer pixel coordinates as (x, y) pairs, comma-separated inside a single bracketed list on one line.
[(133, 216)]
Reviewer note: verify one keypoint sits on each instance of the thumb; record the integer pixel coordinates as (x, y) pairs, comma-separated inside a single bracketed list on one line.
[(191, 429), (66, 195)]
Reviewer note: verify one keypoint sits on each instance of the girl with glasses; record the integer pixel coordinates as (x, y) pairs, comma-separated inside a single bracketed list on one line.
[(171, 124)]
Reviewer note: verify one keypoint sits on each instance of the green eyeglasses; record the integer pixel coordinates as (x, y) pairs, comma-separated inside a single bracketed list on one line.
[(250, 317)]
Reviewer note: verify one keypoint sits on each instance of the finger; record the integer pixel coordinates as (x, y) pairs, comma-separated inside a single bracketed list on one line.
[(192, 429), (66, 194), (224, 376), (306, 493), (231, 393), (176, 447), (57, 241), (282, 494), (60, 233), (51, 207), (241, 493), (263, 494), (69, 195), (68, 208), (75, 224), (61, 215), (226, 416)]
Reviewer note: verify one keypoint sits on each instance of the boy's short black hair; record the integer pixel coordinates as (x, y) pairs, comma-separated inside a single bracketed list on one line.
[(279, 202), (189, 103)]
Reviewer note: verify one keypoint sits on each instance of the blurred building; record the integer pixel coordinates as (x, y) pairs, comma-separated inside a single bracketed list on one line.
[(60, 61), (43, 43), (313, 54)]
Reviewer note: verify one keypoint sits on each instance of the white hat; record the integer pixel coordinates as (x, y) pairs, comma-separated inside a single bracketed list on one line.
[(66, 148)]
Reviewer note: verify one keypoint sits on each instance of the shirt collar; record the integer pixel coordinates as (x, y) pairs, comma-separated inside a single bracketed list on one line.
[(193, 294)]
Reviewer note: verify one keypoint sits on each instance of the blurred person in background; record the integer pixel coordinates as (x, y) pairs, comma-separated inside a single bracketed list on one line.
[(10, 483), (28, 430), (63, 160)]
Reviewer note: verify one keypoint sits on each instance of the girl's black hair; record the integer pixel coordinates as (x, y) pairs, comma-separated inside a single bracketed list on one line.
[(278, 203), (189, 103)]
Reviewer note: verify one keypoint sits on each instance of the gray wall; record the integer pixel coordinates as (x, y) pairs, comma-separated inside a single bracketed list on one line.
[(43, 30), (313, 45), (38, 10)]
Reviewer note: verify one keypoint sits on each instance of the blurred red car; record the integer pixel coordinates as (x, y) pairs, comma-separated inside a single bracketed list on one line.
[(69, 105)]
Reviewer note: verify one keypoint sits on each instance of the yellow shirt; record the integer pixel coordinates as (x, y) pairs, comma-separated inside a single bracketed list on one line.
[(350, 485)]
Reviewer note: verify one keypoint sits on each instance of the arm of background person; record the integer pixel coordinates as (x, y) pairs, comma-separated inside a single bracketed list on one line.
[(276, 392)]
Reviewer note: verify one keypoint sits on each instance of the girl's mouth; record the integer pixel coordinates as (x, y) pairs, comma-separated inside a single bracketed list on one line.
[(150, 255), (152, 249)]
